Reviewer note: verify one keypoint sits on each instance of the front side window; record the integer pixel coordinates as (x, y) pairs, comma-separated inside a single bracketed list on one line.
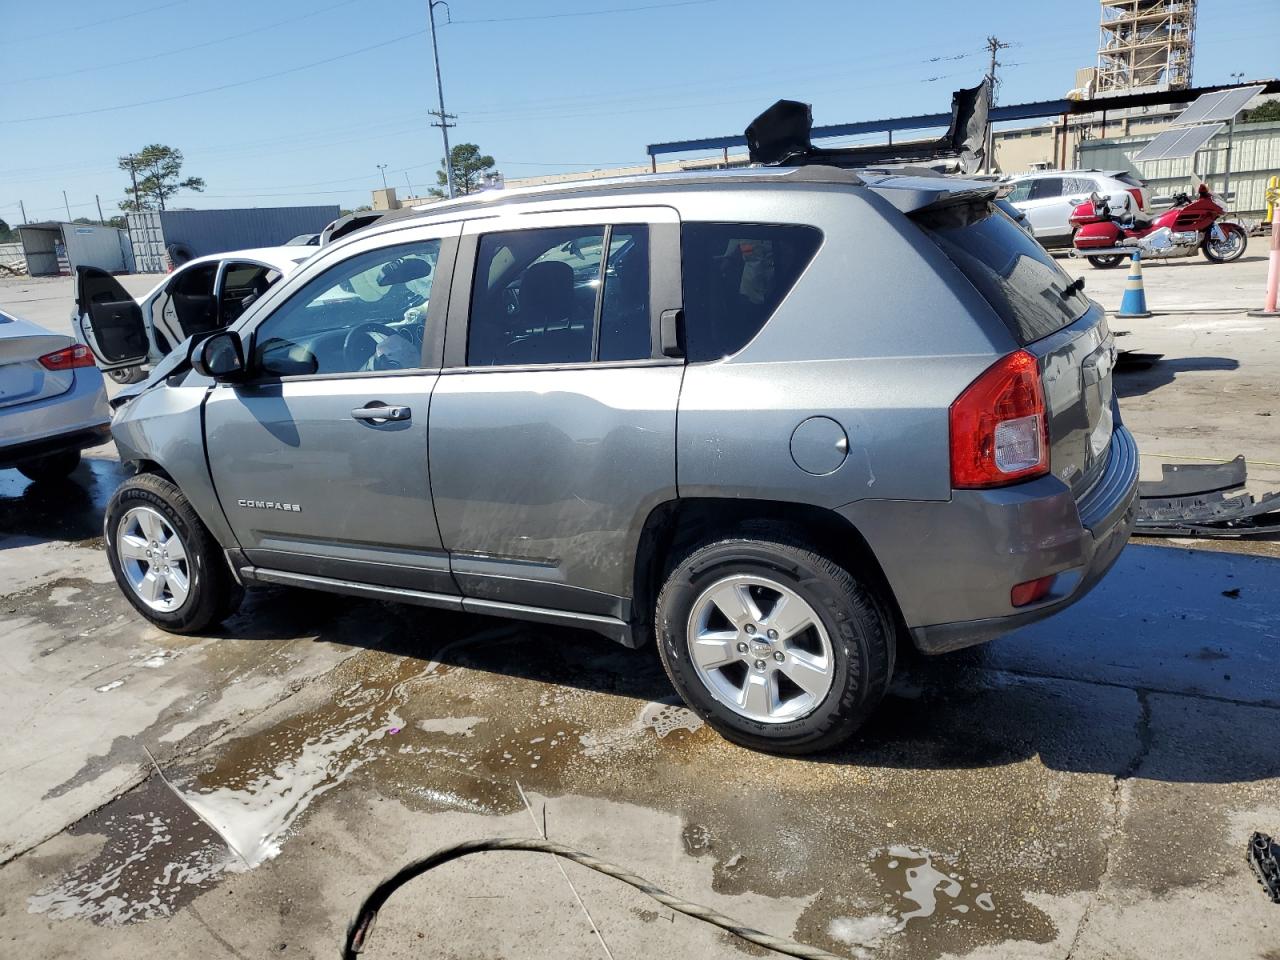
[(735, 276), (560, 295), (366, 313), (1021, 192)]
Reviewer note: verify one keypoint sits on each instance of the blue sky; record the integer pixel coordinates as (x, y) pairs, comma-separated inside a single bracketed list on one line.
[(540, 91)]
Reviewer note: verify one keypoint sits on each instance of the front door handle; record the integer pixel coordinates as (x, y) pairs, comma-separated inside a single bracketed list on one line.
[(381, 413)]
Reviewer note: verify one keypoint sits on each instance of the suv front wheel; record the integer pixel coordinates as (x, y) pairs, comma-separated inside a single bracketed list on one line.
[(775, 646), (163, 558)]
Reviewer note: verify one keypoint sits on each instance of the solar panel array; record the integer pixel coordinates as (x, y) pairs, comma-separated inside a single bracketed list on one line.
[(1222, 105), (1179, 143)]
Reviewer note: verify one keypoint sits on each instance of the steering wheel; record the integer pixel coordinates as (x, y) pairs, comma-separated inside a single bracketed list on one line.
[(356, 355)]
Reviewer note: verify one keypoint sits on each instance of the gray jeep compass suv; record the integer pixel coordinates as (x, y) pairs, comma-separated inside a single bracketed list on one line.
[(778, 419)]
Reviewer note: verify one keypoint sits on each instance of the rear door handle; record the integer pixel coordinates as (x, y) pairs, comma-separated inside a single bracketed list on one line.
[(381, 412)]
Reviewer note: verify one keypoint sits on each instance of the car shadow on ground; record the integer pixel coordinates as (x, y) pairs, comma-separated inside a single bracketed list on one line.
[(1135, 380), (943, 713), (69, 509)]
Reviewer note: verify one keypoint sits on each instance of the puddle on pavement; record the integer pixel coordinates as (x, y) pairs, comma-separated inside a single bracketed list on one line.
[(157, 857), (457, 733), (68, 509), (259, 786)]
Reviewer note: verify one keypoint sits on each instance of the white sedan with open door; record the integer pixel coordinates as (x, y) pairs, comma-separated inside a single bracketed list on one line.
[(205, 294)]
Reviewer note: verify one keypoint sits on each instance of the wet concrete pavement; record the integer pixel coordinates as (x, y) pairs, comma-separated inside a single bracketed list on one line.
[(1083, 788)]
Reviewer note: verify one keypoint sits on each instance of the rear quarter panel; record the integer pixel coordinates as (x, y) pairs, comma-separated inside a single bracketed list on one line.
[(880, 334)]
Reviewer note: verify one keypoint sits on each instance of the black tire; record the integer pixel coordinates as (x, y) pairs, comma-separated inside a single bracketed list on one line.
[(213, 594), (179, 253), (126, 375), (56, 466), (1109, 262), (854, 615), (1211, 253)]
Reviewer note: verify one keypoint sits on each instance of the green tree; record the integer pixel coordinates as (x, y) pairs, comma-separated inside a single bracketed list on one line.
[(157, 170), (6, 234), (470, 167), (1268, 111)]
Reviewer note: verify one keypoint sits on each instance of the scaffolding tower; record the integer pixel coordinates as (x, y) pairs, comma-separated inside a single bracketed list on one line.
[(1145, 45)]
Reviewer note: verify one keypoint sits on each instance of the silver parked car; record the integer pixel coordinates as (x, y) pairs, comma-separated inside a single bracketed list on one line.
[(204, 294), (52, 400), (778, 419), (1047, 198)]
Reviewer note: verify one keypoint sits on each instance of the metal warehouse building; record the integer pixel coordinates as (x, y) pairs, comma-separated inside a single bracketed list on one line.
[(1255, 157), (165, 239), (54, 248)]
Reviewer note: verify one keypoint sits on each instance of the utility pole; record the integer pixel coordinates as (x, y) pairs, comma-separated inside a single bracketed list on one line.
[(23, 208), (66, 206), (382, 169), (408, 184), (133, 175), (98, 200), (994, 46), (444, 117)]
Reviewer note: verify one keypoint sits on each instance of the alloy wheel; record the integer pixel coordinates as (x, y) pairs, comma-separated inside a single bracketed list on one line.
[(760, 649), (153, 559)]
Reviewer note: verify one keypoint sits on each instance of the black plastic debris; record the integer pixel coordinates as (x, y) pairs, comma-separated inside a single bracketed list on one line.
[(1205, 500), (1262, 859)]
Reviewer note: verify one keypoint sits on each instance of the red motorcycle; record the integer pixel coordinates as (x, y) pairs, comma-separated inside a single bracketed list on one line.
[(1107, 240)]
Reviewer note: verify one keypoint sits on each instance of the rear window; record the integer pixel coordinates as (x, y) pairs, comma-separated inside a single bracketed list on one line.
[(735, 275), (1031, 293)]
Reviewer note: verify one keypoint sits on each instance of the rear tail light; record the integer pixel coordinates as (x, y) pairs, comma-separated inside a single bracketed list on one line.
[(999, 430), (1137, 196), (1031, 591), (68, 358)]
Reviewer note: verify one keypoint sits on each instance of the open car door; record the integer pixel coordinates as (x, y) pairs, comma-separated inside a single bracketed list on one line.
[(110, 320)]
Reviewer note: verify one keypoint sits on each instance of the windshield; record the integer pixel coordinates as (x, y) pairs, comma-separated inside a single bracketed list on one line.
[(1031, 293)]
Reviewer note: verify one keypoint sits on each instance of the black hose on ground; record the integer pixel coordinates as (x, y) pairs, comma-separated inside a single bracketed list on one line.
[(358, 932)]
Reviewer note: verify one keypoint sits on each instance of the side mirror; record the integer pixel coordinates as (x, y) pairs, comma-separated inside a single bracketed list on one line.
[(220, 356)]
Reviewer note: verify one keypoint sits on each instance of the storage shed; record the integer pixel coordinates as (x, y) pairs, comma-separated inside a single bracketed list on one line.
[(54, 249), (163, 240)]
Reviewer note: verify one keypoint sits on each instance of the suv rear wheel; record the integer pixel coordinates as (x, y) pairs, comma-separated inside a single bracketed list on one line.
[(163, 558), (775, 646)]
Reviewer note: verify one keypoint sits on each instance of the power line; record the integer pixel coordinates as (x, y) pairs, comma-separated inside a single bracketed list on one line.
[(220, 87), (586, 13), (174, 51), (94, 23)]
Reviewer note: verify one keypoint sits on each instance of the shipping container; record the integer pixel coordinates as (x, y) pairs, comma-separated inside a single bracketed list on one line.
[(165, 239), (55, 249)]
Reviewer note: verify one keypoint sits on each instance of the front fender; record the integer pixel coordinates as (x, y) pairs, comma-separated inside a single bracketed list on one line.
[(164, 425)]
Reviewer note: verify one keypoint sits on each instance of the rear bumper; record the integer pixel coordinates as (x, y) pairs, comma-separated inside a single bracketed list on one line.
[(951, 565), (76, 419), (13, 454)]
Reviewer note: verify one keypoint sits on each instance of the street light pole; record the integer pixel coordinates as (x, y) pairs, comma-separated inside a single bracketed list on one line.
[(382, 169), (444, 117)]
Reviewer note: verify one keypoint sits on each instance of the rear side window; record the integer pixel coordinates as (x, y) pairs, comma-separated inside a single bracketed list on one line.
[(561, 295), (1031, 293), (735, 275)]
